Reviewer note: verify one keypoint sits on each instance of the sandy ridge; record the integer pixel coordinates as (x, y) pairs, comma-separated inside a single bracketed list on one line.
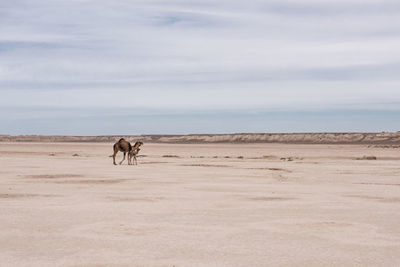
[(390, 138)]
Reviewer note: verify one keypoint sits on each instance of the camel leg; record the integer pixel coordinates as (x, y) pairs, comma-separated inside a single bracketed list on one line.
[(129, 159), (115, 153), (134, 160), (123, 158)]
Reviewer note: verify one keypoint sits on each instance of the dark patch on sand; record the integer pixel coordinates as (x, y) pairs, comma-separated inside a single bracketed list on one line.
[(135, 199), (53, 176), (154, 162), (268, 157), (271, 198), (378, 184), (380, 199), (206, 165), (290, 158), (270, 169), (94, 181), (367, 158), (384, 146), (324, 224), (19, 195), (10, 152)]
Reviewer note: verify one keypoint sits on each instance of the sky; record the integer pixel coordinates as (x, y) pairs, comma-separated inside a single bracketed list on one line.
[(97, 67)]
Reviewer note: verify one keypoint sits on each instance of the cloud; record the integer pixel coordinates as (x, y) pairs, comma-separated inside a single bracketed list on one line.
[(200, 56)]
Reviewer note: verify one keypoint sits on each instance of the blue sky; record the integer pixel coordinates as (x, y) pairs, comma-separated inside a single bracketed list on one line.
[(82, 67)]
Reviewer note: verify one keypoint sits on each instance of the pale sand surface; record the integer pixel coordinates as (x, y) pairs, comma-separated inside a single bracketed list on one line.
[(205, 207)]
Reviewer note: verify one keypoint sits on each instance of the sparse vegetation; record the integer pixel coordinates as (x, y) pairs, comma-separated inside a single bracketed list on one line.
[(268, 157), (276, 169), (367, 158), (75, 155), (291, 158), (170, 156)]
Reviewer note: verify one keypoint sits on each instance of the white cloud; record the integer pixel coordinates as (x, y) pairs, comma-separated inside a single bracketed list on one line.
[(200, 55)]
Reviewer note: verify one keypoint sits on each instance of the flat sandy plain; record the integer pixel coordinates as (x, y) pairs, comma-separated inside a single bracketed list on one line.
[(65, 204)]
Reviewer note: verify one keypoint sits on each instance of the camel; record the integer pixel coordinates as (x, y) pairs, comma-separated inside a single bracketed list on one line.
[(132, 155), (125, 147)]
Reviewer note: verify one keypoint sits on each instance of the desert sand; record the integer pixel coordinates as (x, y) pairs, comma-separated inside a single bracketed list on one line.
[(65, 204)]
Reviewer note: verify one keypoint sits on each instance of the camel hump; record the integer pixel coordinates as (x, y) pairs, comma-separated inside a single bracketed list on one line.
[(122, 139)]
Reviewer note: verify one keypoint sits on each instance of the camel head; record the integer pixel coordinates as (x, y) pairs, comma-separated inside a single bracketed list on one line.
[(137, 144)]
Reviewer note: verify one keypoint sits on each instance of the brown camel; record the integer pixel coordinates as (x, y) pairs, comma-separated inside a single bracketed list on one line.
[(125, 147), (132, 155)]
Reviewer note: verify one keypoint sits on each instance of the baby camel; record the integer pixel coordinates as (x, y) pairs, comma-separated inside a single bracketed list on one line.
[(132, 155), (125, 147)]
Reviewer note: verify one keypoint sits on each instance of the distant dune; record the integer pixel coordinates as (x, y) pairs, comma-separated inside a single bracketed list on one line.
[(389, 138)]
